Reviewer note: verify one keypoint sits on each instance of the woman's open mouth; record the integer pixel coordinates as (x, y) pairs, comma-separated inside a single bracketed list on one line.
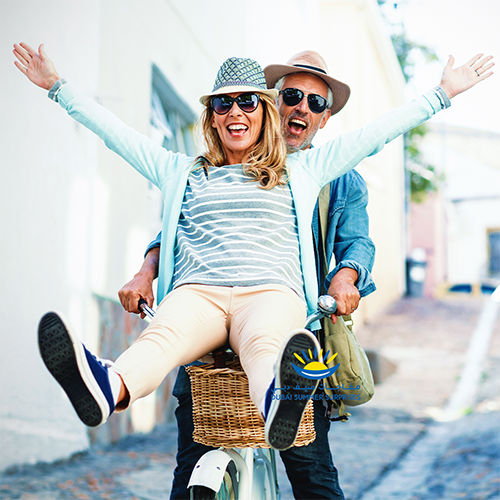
[(237, 129)]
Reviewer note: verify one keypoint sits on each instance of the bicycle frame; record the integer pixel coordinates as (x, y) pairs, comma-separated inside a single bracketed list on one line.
[(256, 468)]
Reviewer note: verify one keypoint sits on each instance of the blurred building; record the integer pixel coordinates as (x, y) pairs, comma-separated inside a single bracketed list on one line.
[(359, 52), (459, 228), (75, 219)]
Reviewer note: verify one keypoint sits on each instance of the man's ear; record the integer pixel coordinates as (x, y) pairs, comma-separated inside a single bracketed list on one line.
[(326, 117)]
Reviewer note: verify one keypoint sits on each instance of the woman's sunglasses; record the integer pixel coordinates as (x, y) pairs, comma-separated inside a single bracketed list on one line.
[(246, 102), (292, 97)]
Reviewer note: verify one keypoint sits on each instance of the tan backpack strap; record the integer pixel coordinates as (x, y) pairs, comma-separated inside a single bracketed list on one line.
[(323, 209)]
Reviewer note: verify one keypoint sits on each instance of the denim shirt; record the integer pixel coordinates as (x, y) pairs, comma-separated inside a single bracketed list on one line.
[(347, 236)]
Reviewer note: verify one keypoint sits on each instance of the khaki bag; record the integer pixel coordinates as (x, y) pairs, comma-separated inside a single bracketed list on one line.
[(352, 384)]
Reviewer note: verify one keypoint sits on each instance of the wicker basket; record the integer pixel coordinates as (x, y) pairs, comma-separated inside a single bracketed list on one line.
[(223, 413)]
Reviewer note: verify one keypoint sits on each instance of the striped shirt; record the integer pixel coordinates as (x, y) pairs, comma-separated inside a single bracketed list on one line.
[(231, 232)]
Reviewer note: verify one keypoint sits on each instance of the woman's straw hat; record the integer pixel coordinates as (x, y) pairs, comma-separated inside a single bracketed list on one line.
[(239, 74)]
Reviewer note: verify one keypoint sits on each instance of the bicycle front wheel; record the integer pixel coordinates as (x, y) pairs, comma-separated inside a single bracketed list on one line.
[(226, 490)]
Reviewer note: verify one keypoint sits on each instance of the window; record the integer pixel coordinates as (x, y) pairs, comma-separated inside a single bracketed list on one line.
[(172, 118), (172, 122), (494, 253)]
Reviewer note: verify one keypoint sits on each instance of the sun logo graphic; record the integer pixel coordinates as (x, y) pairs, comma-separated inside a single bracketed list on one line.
[(315, 368)]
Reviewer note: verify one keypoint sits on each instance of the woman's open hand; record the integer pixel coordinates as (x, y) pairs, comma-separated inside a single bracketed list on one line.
[(455, 81), (35, 65)]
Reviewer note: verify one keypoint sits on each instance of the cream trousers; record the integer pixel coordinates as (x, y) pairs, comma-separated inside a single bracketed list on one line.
[(194, 320)]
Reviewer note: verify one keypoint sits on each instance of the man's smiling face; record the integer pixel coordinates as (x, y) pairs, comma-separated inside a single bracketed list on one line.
[(299, 123)]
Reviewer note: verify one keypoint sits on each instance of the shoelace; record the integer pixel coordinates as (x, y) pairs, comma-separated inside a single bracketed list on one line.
[(105, 363)]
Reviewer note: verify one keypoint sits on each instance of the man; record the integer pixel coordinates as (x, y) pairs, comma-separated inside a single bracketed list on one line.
[(303, 83)]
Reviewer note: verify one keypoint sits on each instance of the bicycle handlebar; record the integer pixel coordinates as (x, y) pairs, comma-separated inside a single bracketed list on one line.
[(326, 307), (143, 306)]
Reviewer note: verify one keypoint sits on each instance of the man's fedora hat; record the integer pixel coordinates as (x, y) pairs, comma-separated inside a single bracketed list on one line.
[(239, 74), (310, 62)]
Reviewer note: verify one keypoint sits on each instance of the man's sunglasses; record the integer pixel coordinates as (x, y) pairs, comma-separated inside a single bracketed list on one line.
[(246, 102), (292, 97)]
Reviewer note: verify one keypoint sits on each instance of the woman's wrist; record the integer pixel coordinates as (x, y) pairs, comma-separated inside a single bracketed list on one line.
[(449, 92), (53, 80)]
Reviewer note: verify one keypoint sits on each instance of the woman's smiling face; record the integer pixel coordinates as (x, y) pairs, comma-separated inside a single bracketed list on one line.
[(238, 131)]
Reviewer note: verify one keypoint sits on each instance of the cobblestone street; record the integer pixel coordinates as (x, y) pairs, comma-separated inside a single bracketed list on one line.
[(398, 446)]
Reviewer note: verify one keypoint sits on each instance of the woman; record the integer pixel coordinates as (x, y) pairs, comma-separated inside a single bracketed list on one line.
[(230, 262)]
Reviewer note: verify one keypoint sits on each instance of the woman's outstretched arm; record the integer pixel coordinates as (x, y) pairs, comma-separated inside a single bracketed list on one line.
[(148, 158)]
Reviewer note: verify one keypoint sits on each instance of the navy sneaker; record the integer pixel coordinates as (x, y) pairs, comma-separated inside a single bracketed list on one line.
[(290, 391), (83, 376)]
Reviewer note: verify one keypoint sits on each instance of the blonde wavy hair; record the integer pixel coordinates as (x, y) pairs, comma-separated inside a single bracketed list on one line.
[(266, 163)]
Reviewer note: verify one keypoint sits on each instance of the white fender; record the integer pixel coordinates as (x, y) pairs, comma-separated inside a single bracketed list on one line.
[(209, 470)]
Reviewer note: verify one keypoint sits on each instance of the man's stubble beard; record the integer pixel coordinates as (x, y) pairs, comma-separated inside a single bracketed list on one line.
[(306, 143)]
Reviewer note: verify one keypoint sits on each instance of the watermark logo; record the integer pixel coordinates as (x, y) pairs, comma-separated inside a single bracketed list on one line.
[(315, 369)]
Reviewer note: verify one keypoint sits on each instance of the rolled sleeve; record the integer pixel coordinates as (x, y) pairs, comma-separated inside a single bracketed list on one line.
[(54, 91), (364, 283), (154, 244)]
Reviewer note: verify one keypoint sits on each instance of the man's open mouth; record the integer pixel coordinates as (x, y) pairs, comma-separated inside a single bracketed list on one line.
[(297, 125)]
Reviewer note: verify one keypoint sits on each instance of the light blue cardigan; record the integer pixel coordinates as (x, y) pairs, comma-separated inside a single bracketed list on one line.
[(309, 170)]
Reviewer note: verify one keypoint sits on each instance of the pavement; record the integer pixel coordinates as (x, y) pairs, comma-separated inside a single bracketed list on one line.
[(431, 432)]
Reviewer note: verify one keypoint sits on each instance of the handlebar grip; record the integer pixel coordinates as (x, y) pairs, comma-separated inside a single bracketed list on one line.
[(327, 304), (143, 306)]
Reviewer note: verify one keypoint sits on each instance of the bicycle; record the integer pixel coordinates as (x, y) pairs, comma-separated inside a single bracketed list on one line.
[(247, 473)]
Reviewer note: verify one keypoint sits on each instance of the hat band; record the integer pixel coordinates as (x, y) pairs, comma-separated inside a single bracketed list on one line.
[(310, 67), (238, 83)]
